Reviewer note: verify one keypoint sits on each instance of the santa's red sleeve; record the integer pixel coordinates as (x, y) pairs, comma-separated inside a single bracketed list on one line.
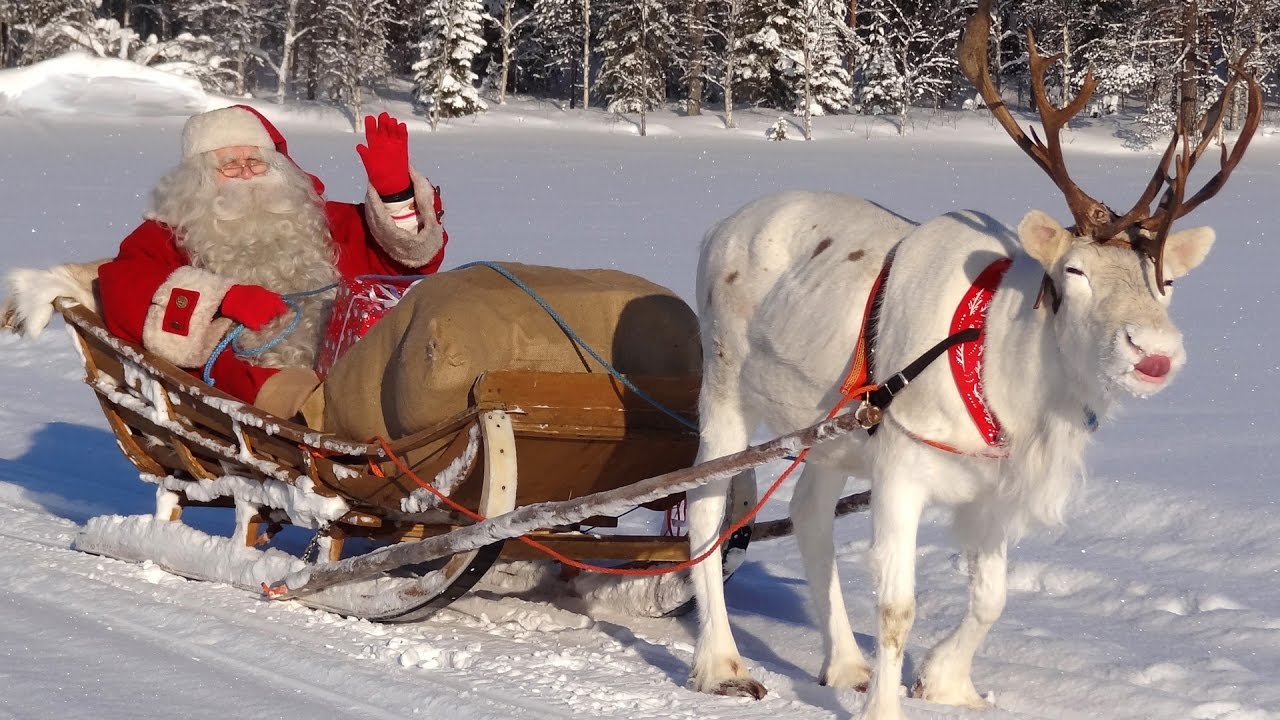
[(151, 296)]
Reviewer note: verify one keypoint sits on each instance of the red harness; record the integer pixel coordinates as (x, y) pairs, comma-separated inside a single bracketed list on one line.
[(965, 357)]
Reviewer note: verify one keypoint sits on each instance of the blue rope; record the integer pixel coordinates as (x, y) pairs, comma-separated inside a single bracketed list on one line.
[(580, 342), (232, 338)]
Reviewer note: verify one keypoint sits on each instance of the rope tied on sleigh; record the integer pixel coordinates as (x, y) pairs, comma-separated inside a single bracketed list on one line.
[(577, 340), (232, 338)]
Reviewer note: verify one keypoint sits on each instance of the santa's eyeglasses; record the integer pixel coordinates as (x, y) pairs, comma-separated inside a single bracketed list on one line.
[(235, 169)]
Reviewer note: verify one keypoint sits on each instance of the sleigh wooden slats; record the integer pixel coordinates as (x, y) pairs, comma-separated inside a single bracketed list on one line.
[(579, 433), (140, 458), (588, 404)]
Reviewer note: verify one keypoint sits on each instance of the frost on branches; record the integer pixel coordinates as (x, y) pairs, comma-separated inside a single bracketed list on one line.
[(187, 55), (352, 50), (444, 82), (793, 55), (555, 48), (637, 43)]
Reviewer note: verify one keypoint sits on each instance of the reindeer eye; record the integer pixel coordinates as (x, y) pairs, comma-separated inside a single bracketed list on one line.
[(1168, 283), (1075, 271)]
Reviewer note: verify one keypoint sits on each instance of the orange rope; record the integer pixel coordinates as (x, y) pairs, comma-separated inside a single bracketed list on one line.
[(645, 572)]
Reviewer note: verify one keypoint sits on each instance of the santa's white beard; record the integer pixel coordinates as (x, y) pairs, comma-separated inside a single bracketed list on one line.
[(270, 230)]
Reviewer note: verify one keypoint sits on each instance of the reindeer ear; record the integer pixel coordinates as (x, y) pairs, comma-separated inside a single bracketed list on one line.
[(1043, 238), (1186, 249)]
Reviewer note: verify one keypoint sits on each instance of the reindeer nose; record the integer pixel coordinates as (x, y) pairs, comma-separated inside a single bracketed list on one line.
[(1156, 366)]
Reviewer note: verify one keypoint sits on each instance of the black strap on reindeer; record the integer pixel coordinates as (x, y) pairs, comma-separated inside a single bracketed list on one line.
[(874, 403), (878, 400)]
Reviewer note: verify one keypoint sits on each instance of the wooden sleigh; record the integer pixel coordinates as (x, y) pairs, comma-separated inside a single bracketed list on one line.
[(526, 440)]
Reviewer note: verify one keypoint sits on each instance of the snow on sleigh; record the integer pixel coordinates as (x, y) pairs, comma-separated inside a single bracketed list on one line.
[(501, 428)]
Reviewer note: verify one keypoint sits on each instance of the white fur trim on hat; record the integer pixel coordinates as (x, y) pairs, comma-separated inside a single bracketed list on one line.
[(226, 127)]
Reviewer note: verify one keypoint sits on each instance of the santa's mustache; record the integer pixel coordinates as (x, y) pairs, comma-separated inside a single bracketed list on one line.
[(252, 197)]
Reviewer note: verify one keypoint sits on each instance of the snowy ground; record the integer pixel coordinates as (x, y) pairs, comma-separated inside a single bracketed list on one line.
[(1160, 599)]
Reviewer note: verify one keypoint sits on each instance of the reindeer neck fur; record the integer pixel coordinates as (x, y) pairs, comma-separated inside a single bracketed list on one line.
[(1024, 379)]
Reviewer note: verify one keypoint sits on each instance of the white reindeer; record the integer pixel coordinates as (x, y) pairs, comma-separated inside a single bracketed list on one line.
[(782, 285)]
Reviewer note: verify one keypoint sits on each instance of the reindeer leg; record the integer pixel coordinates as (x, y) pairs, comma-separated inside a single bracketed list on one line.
[(896, 503), (945, 676), (811, 507), (717, 665)]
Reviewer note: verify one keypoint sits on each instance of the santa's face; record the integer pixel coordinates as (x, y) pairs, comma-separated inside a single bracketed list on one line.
[(238, 162)]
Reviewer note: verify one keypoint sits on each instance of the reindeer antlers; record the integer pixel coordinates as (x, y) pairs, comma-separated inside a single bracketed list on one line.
[(1087, 212), (1144, 230)]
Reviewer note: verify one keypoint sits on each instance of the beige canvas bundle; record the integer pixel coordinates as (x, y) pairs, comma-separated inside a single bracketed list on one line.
[(416, 367)]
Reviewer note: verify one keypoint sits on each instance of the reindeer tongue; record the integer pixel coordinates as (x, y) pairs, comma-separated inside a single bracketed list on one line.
[(1156, 366)]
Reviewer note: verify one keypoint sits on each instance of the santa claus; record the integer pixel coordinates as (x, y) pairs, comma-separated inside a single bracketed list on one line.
[(237, 234)]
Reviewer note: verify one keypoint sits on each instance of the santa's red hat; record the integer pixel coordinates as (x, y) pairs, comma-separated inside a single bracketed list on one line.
[(235, 126), (225, 127)]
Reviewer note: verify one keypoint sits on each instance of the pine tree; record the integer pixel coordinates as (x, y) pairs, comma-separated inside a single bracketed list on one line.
[(351, 51), (557, 39), (561, 37), (237, 27), (816, 69), (37, 29), (768, 35), (638, 43), (444, 81), (908, 53)]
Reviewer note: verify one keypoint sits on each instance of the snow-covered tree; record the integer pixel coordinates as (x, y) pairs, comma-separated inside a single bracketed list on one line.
[(882, 90), (352, 50), (695, 51), (557, 38), (238, 27), (36, 30), (1241, 26), (816, 67), (771, 31), (188, 55), (294, 25), (512, 19), (638, 43), (725, 23), (908, 53), (444, 81)]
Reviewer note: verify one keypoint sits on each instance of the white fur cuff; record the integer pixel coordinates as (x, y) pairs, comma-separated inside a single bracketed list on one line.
[(405, 247), (180, 325)]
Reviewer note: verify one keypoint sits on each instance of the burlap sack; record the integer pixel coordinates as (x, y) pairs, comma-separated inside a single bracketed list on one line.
[(416, 366)]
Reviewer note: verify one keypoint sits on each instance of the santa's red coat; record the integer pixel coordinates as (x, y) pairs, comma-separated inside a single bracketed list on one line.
[(149, 258)]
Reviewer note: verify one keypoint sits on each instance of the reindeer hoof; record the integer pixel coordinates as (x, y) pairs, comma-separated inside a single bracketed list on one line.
[(962, 697), (859, 687), (742, 687), (856, 676)]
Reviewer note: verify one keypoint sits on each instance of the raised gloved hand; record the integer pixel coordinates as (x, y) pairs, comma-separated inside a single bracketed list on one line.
[(386, 157), (253, 305)]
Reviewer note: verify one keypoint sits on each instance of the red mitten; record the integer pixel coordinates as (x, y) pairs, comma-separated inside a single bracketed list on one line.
[(252, 305), (386, 157)]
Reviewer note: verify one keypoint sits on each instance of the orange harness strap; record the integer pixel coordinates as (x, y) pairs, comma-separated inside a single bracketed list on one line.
[(860, 368)]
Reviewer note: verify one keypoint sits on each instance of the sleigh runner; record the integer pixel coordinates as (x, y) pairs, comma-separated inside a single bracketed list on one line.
[(526, 440)]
